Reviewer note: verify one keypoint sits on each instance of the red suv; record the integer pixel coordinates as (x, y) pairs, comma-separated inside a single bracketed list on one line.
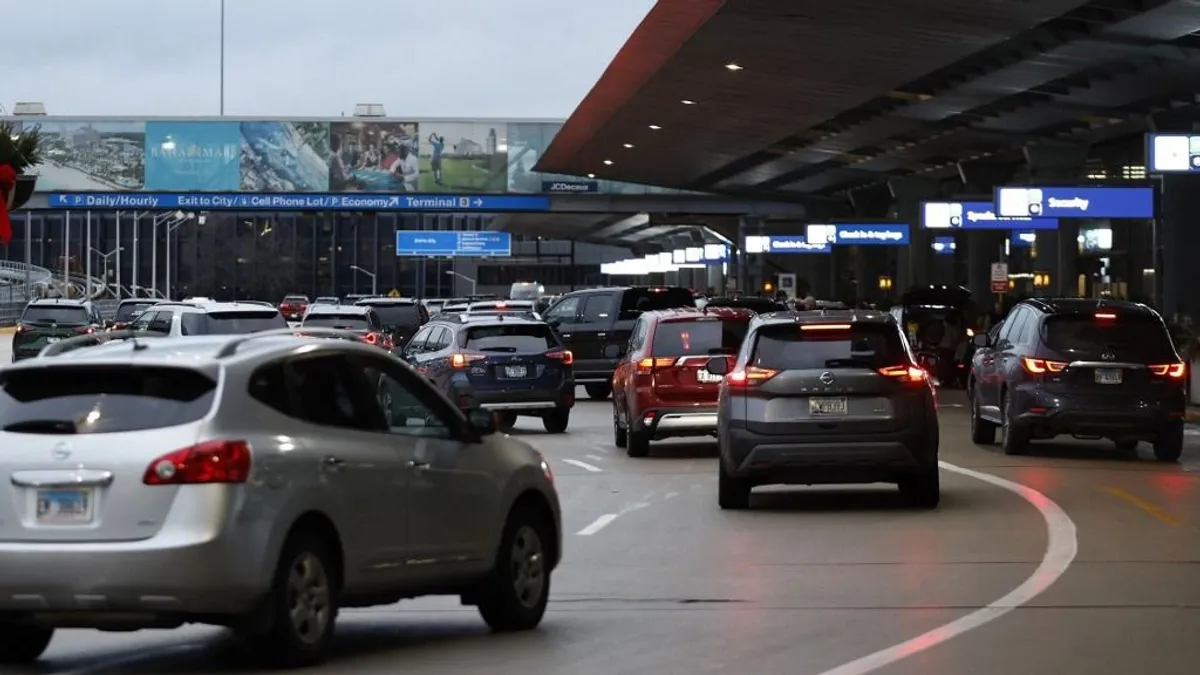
[(661, 388)]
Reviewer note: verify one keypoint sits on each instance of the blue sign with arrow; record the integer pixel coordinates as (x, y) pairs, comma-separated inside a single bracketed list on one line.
[(1075, 202), (351, 201), (425, 243)]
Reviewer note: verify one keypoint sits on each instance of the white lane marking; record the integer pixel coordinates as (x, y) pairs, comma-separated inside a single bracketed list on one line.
[(669, 495), (595, 458), (583, 465), (1061, 547), (597, 525)]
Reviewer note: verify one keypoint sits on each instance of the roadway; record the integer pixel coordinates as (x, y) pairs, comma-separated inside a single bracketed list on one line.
[(658, 580)]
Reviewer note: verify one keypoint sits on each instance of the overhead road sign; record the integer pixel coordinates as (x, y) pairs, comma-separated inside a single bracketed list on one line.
[(351, 201), (976, 216), (432, 243), (1075, 202), (858, 234), (783, 244), (1173, 153)]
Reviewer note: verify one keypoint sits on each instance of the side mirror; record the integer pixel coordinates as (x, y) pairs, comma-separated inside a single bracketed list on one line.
[(981, 340), (717, 366), (613, 351), (482, 421)]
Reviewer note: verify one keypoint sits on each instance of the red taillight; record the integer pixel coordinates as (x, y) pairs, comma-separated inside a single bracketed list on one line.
[(85, 330), (904, 373), (647, 366), (749, 376), (565, 356), (370, 338), (1175, 371), (1042, 366), (205, 463), (1105, 316), (461, 361)]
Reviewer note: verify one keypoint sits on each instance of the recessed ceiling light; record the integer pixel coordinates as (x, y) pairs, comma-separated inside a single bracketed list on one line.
[(591, 175), (655, 127), (733, 66), (608, 162), (688, 102), (629, 145)]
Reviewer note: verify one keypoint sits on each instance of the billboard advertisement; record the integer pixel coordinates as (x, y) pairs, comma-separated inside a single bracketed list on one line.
[(92, 155), (463, 157), (374, 157), (285, 156), (201, 156)]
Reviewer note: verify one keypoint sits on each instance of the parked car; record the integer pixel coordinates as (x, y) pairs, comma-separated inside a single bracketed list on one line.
[(47, 321)]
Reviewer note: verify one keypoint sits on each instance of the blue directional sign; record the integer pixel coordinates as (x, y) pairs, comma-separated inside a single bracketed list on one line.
[(858, 234), (976, 216), (351, 201), (425, 243), (1173, 153), (1075, 202), (943, 245), (1022, 239), (783, 244)]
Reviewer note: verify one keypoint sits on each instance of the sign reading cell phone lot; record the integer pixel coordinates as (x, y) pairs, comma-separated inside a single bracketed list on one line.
[(1075, 202), (999, 277), (976, 216), (858, 234), (1173, 153)]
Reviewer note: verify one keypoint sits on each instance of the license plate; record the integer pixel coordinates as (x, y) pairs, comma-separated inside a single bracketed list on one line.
[(1108, 376), (515, 371), (64, 507), (827, 406), (52, 340), (706, 377)]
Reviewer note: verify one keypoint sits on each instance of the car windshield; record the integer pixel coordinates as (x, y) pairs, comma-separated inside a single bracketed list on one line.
[(1136, 338), (343, 321), (60, 314), (523, 338), (701, 336), (398, 314), (802, 347), (295, 300), (128, 310), (231, 323)]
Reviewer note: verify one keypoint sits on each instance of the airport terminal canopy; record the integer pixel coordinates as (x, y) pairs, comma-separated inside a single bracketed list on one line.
[(798, 100)]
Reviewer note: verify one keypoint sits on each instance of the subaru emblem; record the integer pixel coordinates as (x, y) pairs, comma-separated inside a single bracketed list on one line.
[(61, 451), (1108, 355), (826, 378)]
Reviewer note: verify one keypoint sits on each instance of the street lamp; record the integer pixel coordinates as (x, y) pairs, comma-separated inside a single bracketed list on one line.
[(464, 278), (105, 257), (172, 220), (374, 287)]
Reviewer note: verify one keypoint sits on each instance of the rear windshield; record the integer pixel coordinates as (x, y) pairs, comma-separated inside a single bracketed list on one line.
[(646, 299), (295, 299), (343, 321), (1141, 339), (702, 336), (788, 347), (231, 323), (127, 311), (54, 314), (102, 399), (523, 338), (395, 314)]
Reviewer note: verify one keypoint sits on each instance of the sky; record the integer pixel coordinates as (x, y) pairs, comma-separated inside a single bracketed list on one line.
[(419, 58)]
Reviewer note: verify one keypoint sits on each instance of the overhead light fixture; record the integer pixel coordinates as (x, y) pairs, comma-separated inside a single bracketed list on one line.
[(687, 101), (733, 66), (608, 162), (591, 175), (629, 145), (655, 127)]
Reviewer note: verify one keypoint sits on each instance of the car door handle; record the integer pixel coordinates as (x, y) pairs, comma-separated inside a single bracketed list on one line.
[(564, 335), (414, 464), (333, 463)]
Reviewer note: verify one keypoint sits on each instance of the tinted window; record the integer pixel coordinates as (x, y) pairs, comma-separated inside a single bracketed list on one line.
[(596, 308), (237, 323), (396, 314), (645, 299), (102, 399), (126, 311), (1141, 339), (343, 321), (526, 291), (55, 314), (514, 338), (702, 336), (788, 347)]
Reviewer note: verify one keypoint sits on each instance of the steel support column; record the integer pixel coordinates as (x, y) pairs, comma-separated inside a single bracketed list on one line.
[(913, 261), (1057, 251)]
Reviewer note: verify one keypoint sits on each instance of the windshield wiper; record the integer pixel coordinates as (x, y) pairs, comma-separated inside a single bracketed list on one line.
[(43, 427)]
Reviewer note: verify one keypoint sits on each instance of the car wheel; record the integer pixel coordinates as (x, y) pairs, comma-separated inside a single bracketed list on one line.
[(303, 605), (506, 421), (637, 444), (1016, 439), (20, 645), (556, 422), (983, 432), (598, 391), (733, 494), (620, 436), (1168, 446), (922, 490), (515, 594)]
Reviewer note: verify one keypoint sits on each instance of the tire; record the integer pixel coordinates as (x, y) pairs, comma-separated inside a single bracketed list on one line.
[(1016, 439), (598, 391), (556, 422), (1168, 446), (305, 568), (506, 421), (620, 436), (637, 444), (22, 645), (515, 594), (983, 432), (733, 494), (922, 490)]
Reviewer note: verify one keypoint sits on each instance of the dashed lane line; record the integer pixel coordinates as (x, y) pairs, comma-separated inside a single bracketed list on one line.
[(583, 465)]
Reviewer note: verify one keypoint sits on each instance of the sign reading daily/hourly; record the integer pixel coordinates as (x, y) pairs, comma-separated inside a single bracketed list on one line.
[(424, 243), (353, 201), (858, 234), (1075, 202), (783, 244), (976, 216)]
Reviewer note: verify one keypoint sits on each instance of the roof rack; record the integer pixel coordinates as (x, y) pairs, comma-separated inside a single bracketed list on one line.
[(93, 339), (230, 348)]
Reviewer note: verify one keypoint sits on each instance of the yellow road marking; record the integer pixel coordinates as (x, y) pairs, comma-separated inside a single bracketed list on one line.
[(1154, 510)]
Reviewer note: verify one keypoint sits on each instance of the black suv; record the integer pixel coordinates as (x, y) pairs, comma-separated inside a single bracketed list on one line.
[(47, 321), (1091, 369), (595, 325), (401, 317)]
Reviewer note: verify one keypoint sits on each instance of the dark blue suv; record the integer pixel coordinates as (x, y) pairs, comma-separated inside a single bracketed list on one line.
[(510, 365)]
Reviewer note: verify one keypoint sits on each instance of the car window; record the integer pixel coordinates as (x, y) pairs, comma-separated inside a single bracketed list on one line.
[(242, 322), (58, 314), (510, 338), (346, 321), (327, 393), (161, 322), (295, 300), (395, 315), (406, 401), (596, 308), (129, 310), (565, 310), (442, 337), (638, 300), (709, 335), (102, 399), (1011, 326), (862, 345), (1134, 338)]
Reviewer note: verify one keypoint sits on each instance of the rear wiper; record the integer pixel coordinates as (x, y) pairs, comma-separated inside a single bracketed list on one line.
[(43, 427)]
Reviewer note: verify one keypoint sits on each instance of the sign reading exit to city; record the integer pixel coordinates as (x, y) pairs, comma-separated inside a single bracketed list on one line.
[(234, 201), (426, 243)]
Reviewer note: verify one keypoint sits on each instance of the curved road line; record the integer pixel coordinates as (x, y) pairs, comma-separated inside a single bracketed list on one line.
[(1061, 547)]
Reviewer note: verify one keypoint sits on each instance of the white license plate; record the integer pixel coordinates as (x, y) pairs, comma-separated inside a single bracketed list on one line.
[(706, 377), (64, 507), (1108, 376), (827, 406), (515, 371), (52, 340)]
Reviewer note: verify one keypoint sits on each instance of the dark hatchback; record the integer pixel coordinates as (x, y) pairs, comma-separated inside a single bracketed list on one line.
[(45, 322), (508, 365), (1082, 368), (400, 318)]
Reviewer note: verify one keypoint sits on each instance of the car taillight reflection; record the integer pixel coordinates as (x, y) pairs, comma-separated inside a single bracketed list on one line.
[(85, 330)]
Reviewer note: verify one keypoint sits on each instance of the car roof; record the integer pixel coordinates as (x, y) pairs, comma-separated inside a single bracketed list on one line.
[(367, 302), (487, 320), (207, 307), (1088, 306), (825, 316), (139, 301), (51, 302), (338, 309)]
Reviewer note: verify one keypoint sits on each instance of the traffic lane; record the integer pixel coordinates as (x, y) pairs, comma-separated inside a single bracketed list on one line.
[(1130, 601)]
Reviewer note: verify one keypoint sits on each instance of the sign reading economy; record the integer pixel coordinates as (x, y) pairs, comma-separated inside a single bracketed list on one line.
[(423, 243), (219, 201), (1075, 202)]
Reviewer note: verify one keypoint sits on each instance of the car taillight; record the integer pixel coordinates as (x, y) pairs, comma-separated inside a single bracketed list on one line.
[(370, 338), (647, 366), (461, 360), (1042, 366), (565, 356), (204, 463), (904, 373), (749, 376), (1175, 371), (85, 330), (1105, 316)]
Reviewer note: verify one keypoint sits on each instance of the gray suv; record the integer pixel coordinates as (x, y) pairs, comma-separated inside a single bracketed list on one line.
[(826, 397)]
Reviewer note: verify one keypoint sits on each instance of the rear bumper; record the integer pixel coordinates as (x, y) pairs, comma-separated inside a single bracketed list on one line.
[(522, 401), (1048, 415), (821, 458), (662, 422)]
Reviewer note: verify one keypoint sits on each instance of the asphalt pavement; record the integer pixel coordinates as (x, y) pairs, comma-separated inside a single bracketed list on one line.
[(1076, 559)]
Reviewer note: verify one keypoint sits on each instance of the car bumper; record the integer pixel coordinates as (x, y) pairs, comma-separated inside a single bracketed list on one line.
[(1052, 414), (819, 458), (521, 402), (662, 423)]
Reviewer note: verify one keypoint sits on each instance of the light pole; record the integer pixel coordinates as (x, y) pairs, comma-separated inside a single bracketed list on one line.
[(464, 278), (222, 58), (169, 219), (171, 227), (105, 256), (374, 287)]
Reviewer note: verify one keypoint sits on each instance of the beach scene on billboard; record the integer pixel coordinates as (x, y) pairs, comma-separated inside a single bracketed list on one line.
[(463, 157), (92, 155), (374, 157), (200, 156), (285, 156)]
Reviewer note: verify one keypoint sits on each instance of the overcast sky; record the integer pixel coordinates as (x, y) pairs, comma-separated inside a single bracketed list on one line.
[(420, 58)]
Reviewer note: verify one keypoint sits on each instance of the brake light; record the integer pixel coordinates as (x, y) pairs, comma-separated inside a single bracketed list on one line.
[(904, 373), (1042, 366), (85, 330), (461, 361), (1175, 371), (565, 356), (825, 326), (647, 366), (204, 463), (749, 376), (1105, 316), (370, 338)]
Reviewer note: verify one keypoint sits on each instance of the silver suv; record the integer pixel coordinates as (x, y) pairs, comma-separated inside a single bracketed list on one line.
[(202, 316), (260, 482), (825, 397)]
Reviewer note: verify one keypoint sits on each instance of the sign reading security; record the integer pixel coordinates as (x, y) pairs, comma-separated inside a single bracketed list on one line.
[(1075, 202), (215, 201), (976, 216), (858, 234)]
